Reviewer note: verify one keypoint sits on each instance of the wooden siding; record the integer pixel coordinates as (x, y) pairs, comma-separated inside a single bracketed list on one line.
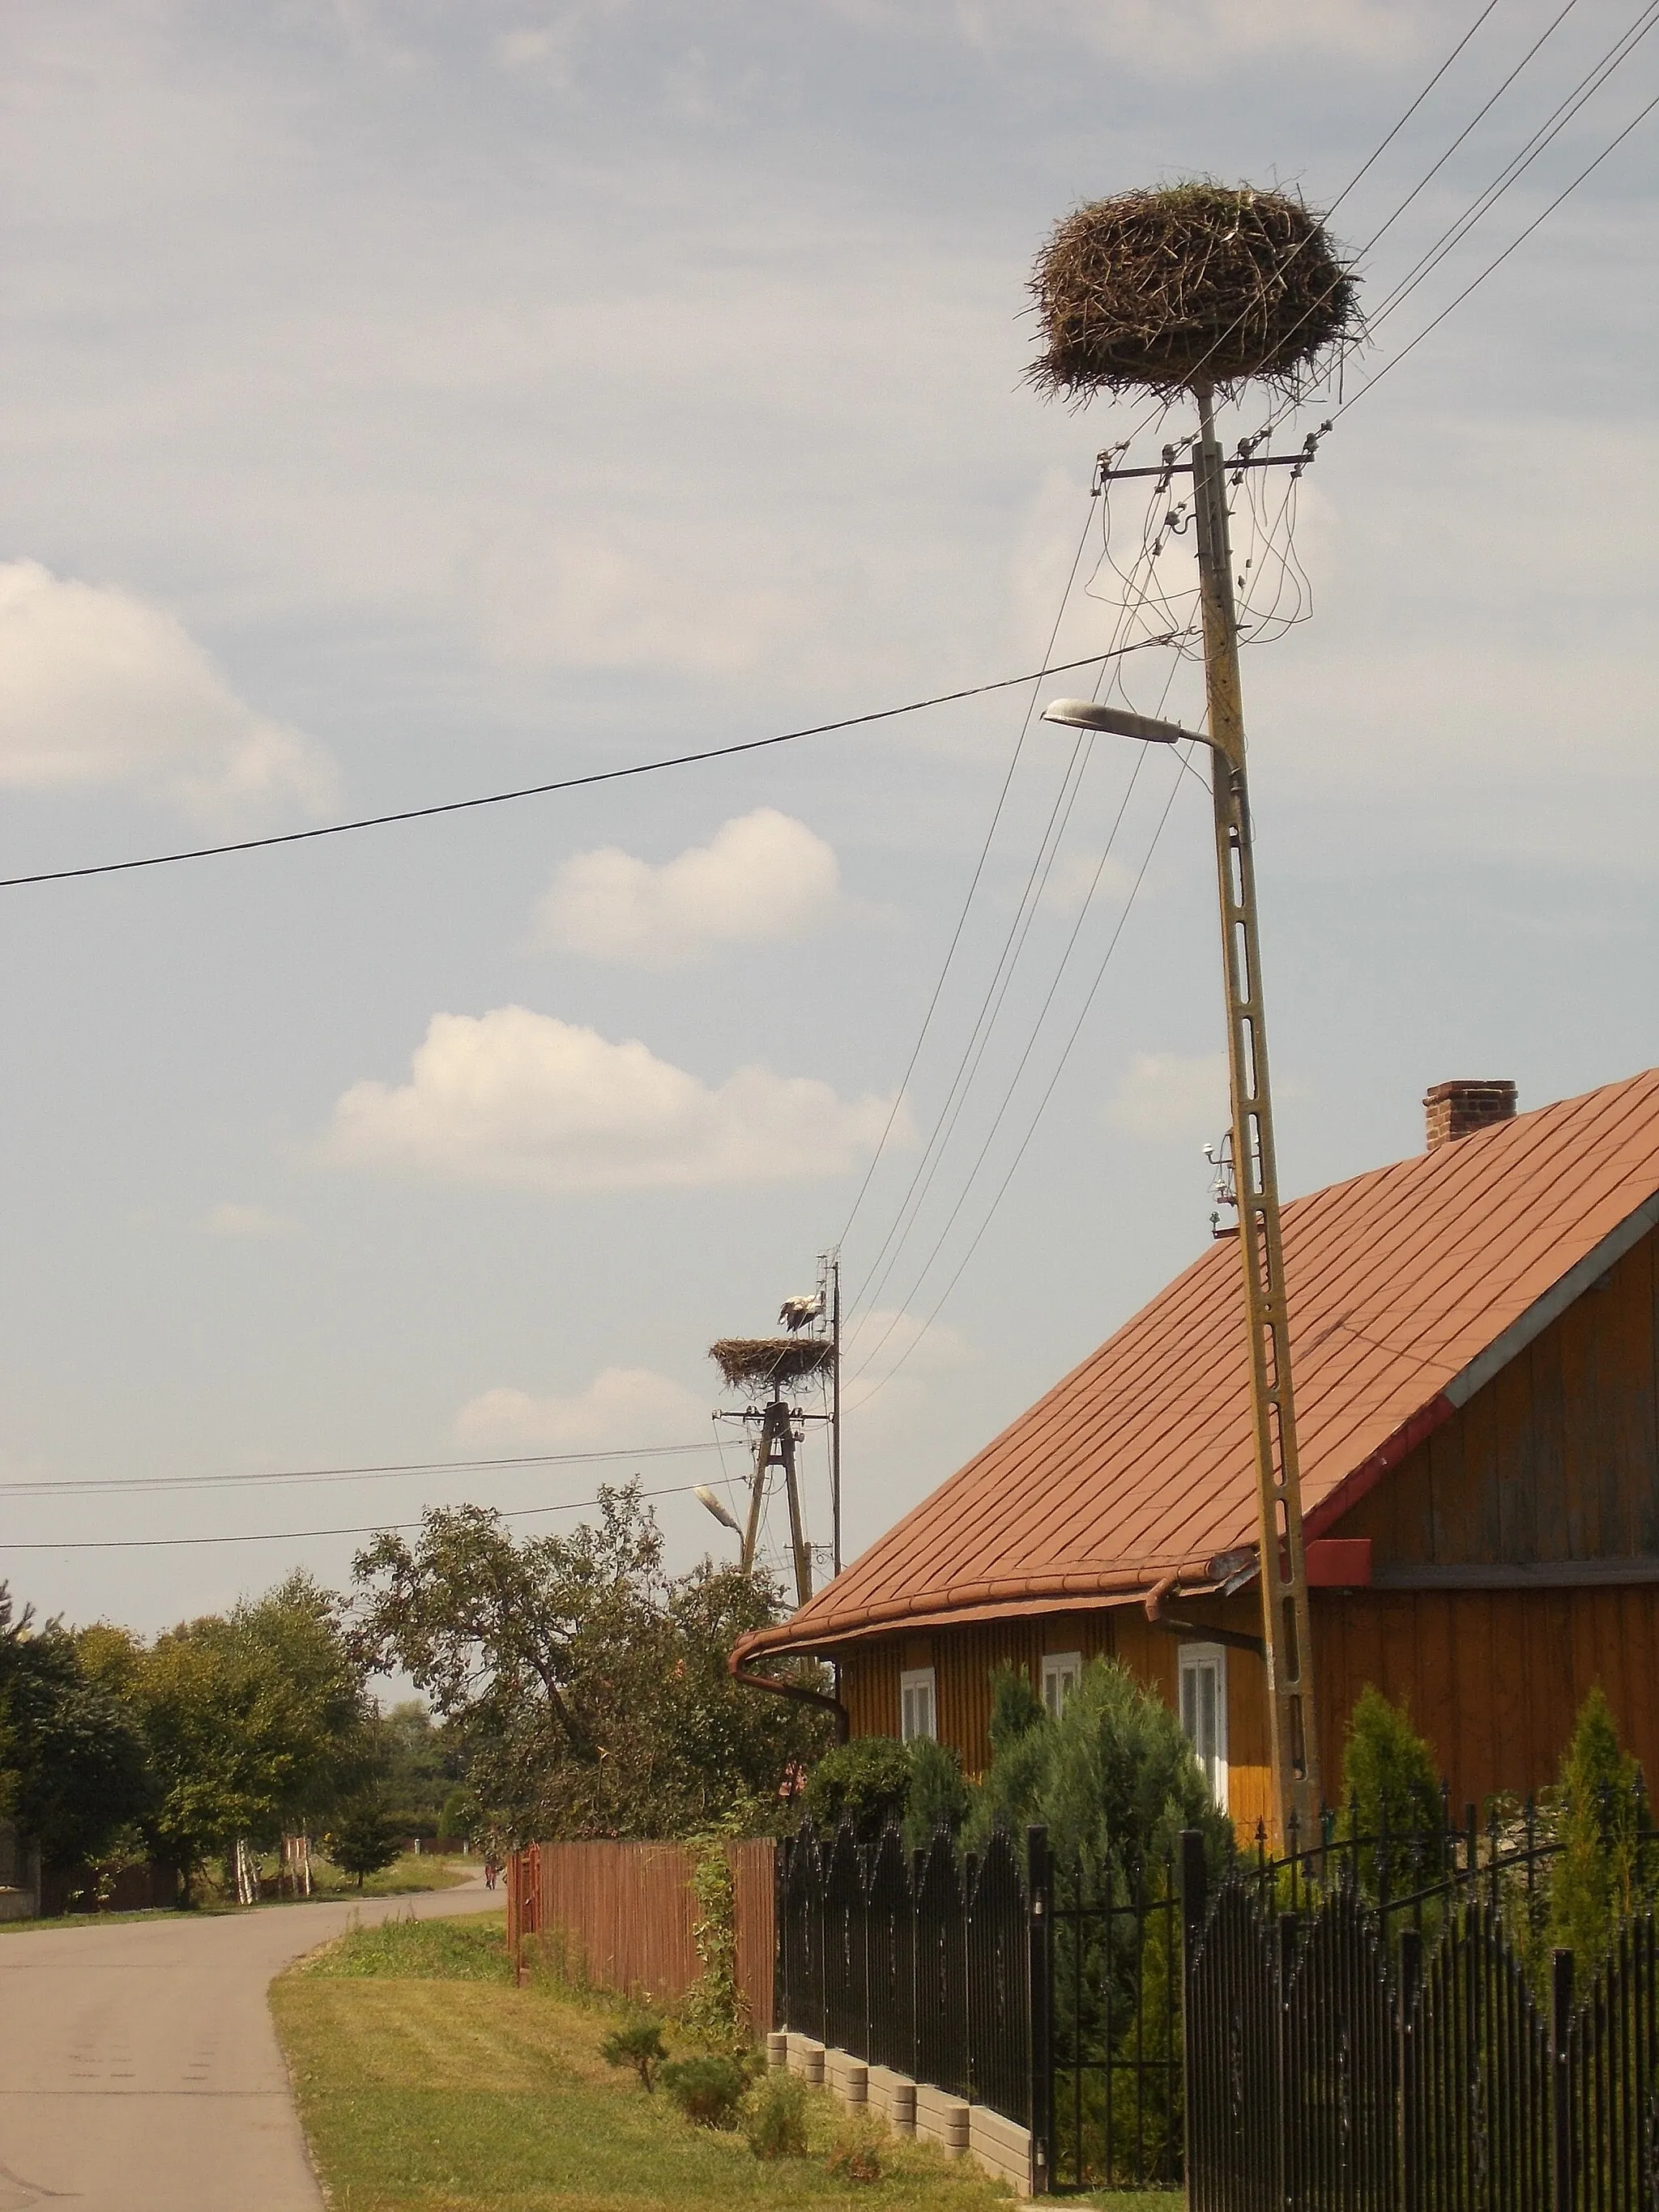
[(1557, 1459), (623, 1914)]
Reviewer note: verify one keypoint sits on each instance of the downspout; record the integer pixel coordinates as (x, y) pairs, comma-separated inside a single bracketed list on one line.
[(801, 1693)]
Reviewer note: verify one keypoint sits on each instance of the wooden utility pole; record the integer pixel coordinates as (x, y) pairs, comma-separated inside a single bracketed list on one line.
[(1286, 1628), (775, 1447)]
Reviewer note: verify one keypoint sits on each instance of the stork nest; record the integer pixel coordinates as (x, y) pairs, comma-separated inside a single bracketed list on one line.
[(751, 1363), (1194, 284)]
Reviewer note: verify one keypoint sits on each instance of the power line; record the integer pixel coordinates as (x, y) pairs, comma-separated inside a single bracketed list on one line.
[(1501, 258), (973, 887), (542, 790), (103, 1484), (302, 1535), (1042, 1103)]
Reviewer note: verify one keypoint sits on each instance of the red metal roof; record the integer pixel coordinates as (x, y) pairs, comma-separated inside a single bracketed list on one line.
[(1408, 1288)]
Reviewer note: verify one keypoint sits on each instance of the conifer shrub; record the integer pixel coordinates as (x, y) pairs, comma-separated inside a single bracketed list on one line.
[(709, 2091), (776, 2123), (1389, 1784), (1593, 1878), (637, 2042), (937, 1796)]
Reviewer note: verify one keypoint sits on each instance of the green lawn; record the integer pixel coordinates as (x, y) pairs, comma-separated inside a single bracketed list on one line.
[(428, 2083)]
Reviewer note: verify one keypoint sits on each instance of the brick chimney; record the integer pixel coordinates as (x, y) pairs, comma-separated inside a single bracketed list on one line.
[(1457, 1110)]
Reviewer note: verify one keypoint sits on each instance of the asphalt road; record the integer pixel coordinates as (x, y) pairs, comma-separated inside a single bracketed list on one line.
[(139, 2070)]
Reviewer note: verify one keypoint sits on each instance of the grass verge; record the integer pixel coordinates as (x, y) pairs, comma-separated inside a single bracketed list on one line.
[(407, 1877), (427, 2082)]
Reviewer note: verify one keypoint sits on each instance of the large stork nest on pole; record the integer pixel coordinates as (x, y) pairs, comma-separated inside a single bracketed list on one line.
[(1193, 284), (756, 1363)]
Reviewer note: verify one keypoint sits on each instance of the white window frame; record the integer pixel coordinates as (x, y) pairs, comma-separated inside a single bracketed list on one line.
[(914, 1682), (1194, 1659), (1062, 1673)]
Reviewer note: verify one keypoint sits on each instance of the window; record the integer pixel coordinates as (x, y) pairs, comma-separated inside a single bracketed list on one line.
[(1203, 1712), (917, 1707), (1062, 1673)]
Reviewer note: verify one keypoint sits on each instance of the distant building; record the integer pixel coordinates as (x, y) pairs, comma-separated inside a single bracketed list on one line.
[(1475, 1333)]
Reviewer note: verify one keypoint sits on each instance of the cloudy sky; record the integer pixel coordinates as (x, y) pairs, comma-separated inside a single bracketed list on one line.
[(405, 400)]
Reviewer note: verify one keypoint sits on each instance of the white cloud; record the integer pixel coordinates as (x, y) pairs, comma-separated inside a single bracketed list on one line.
[(621, 1407), (97, 686), (587, 598), (228, 1219), (763, 875), (525, 1102), (1171, 1094)]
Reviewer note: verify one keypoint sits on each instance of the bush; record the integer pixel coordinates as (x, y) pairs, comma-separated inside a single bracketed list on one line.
[(867, 1783), (709, 2091), (639, 2043), (855, 2154), (938, 1795), (1592, 1883), (1387, 1777), (777, 2125)]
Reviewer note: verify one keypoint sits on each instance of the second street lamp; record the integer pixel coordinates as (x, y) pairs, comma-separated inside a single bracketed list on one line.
[(1287, 1638)]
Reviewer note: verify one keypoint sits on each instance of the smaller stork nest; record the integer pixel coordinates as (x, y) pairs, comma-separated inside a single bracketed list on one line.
[(1194, 284), (752, 1362)]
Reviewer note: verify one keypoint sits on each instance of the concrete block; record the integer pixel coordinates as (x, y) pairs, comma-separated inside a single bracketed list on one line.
[(941, 2119), (849, 2078), (894, 2097), (806, 2058), (1001, 2147), (777, 2049)]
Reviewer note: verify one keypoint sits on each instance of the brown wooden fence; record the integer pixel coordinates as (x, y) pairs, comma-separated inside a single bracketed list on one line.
[(622, 1914)]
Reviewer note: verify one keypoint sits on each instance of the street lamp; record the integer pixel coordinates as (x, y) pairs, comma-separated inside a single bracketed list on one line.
[(1287, 1640), (710, 1503)]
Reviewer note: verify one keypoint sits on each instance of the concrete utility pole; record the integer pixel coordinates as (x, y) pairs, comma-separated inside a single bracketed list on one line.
[(1286, 1628)]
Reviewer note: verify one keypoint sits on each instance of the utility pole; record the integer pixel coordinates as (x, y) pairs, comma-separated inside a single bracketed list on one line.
[(1286, 1628), (775, 1447), (832, 1265)]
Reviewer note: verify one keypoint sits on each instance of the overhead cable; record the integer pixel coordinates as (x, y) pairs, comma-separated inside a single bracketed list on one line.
[(543, 790), (102, 1484)]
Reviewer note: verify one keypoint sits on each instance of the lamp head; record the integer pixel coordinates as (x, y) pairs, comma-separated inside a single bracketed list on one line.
[(710, 1503), (1086, 714)]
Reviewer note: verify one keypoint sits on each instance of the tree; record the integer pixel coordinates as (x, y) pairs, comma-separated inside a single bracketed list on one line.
[(1593, 1879), (586, 1690), (1114, 1776), (364, 1840), (1389, 1779), (415, 1766), (865, 1782), (254, 1722), (72, 1772)]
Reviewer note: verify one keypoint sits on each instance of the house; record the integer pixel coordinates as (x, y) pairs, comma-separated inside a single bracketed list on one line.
[(1475, 1333)]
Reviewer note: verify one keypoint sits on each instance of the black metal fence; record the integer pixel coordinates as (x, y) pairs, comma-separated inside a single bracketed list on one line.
[(1359, 2048), (920, 1963), (1370, 2024)]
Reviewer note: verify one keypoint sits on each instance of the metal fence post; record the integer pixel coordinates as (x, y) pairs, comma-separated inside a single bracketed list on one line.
[(1040, 1964), (1194, 1904), (1561, 2145), (1411, 1981)]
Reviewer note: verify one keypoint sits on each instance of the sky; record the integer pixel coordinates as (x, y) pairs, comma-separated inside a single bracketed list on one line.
[(401, 401)]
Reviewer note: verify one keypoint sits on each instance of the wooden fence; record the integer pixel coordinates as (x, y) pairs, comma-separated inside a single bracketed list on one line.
[(622, 1916)]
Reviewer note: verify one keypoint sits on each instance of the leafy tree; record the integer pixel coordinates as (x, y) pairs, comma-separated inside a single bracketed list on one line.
[(71, 1762), (865, 1782), (364, 1840), (417, 1767), (1389, 1779), (254, 1722), (1593, 1879), (586, 1691)]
